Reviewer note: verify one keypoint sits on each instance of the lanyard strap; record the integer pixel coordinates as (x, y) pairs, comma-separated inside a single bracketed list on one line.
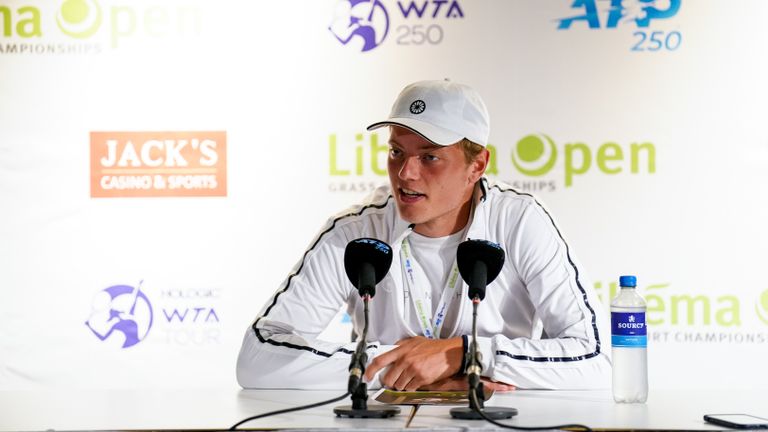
[(417, 282)]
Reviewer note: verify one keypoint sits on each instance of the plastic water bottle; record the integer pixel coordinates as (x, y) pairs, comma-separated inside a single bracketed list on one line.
[(629, 341)]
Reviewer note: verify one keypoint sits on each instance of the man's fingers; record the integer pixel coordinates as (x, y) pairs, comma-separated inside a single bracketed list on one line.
[(376, 365), (381, 361), (404, 381), (393, 375), (497, 386)]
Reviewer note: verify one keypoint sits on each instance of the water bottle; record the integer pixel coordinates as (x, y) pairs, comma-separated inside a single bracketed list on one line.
[(629, 341)]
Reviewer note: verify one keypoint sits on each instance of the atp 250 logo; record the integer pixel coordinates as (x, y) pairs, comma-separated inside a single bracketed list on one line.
[(597, 14), (365, 24)]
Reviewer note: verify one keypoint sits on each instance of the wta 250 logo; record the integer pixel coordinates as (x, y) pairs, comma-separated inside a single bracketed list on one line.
[(365, 24)]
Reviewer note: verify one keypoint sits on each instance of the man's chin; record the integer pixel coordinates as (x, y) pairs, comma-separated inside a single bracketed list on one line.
[(409, 214)]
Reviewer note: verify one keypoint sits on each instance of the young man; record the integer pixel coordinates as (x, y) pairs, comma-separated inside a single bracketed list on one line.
[(540, 325)]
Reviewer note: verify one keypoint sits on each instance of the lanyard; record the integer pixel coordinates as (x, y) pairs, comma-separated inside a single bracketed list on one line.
[(417, 281)]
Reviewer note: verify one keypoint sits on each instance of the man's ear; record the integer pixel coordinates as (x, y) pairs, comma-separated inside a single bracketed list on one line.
[(478, 165)]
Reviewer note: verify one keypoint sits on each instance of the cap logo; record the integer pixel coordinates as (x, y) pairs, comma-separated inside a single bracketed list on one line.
[(418, 106)]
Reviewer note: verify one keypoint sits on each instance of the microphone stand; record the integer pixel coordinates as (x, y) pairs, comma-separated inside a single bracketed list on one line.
[(357, 387), (476, 393)]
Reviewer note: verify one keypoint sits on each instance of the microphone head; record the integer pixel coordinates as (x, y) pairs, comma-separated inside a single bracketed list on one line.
[(473, 251), (367, 250)]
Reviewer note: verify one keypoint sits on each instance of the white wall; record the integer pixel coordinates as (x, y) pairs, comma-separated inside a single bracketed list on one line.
[(278, 85)]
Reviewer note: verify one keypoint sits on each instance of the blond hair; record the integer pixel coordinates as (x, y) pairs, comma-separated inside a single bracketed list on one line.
[(471, 149)]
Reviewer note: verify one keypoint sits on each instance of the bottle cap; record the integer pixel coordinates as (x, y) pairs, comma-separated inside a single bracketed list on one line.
[(628, 281)]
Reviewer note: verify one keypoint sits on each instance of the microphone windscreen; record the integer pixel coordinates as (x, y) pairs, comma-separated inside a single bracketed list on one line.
[(367, 250), (487, 252)]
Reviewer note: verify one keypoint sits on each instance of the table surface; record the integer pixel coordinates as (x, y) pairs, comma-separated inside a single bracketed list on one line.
[(221, 408)]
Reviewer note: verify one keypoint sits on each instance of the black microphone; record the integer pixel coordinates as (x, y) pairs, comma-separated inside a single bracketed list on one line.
[(480, 262), (366, 262)]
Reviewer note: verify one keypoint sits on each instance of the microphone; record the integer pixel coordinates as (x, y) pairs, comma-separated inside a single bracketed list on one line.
[(479, 262), (366, 262)]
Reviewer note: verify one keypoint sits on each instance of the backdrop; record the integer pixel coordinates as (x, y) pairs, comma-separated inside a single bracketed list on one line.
[(164, 164)]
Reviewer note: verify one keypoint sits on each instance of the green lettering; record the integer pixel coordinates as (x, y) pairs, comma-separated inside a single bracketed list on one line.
[(690, 302), (190, 15), (156, 21), (651, 156), (359, 155), (599, 291), (728, 316), (609, 151), (655, 305), (334, 171), (33, 22), (6, 13), (492, 168), (570, 169), (376, 149), (121, 27), (613, 289)]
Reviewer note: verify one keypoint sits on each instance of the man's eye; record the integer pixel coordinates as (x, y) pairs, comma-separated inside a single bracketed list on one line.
[(430, 158), (394, 152)]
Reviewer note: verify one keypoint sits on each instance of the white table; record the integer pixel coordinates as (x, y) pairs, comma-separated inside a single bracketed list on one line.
[(220, 408)]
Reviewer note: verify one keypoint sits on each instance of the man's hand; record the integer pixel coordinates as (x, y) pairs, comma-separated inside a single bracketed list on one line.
[(459, 383), (417, 362)]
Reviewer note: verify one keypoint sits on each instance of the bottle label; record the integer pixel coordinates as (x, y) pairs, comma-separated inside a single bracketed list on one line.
[(628, 330)]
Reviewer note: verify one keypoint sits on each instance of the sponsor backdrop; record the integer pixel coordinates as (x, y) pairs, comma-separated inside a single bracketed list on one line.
[(164, 163)]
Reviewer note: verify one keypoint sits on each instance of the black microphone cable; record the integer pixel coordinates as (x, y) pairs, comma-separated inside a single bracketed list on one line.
[(480, 412), (287, 410)]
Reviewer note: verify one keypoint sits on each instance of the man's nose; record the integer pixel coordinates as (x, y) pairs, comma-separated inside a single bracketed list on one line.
[(410, 169)]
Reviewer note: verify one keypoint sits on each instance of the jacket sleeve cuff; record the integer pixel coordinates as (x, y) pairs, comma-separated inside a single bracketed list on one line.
[(485, 348)]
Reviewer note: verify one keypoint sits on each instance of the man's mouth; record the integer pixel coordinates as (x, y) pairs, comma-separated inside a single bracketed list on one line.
[(409, 195)]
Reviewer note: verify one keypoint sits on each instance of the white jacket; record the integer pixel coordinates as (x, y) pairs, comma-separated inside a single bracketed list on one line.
[(540, 325)]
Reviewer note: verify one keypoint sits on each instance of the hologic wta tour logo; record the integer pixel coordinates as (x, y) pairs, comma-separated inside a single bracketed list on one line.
[(123, 315), (121, 312), (639, 14), (365, 24)]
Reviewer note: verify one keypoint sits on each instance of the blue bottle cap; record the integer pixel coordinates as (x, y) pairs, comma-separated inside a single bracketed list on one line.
[(628, 281)]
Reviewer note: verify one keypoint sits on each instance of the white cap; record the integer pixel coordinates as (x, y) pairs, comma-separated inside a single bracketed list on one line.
[(441, 111)]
